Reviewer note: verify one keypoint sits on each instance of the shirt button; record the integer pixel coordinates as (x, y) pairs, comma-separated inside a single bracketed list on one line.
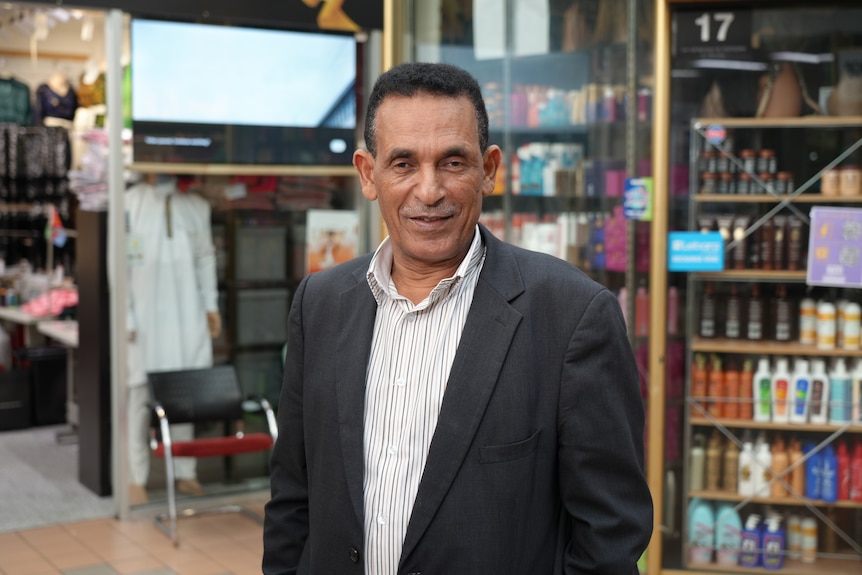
[(392, 450), (354, 554), (381, 519), (400, 382), (411, 317)]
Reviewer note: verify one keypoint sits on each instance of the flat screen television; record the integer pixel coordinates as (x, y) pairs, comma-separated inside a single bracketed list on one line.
[(204, 93)]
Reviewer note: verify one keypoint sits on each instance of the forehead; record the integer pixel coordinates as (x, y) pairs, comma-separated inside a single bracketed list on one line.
[(425, 115)]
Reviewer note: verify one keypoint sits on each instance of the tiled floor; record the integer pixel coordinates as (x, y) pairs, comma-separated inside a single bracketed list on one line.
[(213, 544)]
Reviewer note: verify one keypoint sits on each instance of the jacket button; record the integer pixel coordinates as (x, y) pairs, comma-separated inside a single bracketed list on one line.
[(354, 554), (415, 573)]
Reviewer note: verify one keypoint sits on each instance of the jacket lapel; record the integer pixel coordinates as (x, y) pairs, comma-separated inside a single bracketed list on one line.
[(487, 334), (358, 309)]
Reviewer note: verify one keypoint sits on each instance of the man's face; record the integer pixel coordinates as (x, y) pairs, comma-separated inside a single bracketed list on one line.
[(428, 177)]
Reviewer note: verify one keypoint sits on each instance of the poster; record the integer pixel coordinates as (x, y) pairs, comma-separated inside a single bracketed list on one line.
[(331, 238), (834, 247)]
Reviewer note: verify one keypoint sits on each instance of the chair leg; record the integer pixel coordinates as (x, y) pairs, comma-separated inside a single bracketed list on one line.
[(172, 497)]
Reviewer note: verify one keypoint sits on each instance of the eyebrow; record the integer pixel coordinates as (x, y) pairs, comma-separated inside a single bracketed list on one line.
[(460, 151)]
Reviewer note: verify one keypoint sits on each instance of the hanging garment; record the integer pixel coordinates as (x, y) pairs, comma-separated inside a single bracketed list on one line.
[(172, 279), (51, 104), (15, 102)]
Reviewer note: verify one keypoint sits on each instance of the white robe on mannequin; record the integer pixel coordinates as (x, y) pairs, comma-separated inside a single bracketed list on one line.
[(172, 286)]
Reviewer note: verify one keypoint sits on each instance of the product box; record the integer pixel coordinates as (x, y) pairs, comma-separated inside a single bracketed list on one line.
[(14, 399)]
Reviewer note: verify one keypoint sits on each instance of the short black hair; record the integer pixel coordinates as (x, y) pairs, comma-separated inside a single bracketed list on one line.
[(436, 79)]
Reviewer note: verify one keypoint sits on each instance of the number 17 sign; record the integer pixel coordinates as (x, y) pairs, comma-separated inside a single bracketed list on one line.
[(713, 33)]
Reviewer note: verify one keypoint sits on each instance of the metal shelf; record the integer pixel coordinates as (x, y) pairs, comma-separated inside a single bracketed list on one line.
[(717, 495), (768, 425), (767, 199), (787, 348), (753, 275), (799, 122), (239, 169)]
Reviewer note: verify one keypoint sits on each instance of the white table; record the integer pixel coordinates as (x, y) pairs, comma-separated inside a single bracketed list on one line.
[(66, 333)]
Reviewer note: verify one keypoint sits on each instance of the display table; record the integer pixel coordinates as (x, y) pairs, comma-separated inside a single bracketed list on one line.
[(15, 315), (66, 333)]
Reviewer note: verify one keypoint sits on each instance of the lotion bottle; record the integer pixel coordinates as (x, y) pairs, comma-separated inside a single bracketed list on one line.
[(818, 403), (746, 391), (697, 463), (762, 391), (780, 462), (856, 392), (839, 393), (774, 544), (780, 390), (749, 555), (762, 468), (745, 484), (800, 388)]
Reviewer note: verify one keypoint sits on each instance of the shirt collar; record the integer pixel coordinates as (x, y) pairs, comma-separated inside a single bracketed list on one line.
[(379, 273)]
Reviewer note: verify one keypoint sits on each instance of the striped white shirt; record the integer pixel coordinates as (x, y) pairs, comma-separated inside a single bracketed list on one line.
[(411, 354)]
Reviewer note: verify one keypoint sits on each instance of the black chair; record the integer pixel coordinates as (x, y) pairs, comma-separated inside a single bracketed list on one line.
[(205, 395)]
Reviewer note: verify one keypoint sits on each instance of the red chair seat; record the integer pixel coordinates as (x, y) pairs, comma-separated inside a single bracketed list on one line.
[(215, 446)]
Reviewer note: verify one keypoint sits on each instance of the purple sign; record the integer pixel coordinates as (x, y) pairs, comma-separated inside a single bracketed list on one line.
[(835, 247)]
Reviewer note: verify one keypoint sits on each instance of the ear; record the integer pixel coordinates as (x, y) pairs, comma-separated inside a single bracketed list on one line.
[(363, 161), (491, 161)]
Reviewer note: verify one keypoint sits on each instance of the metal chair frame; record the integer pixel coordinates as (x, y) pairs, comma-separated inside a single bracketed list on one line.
[(174, 400)]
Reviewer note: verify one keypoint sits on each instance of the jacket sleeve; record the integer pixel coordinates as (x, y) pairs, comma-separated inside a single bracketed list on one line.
[(601, 419), (286, 514)]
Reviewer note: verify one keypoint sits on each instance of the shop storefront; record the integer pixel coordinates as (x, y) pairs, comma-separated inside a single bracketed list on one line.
[(205, 168), (600, 104)]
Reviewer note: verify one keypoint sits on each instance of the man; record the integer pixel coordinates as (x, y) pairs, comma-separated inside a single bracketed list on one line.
[(452, 404)]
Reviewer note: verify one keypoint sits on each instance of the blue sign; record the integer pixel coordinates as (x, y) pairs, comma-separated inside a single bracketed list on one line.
[(695, 252)]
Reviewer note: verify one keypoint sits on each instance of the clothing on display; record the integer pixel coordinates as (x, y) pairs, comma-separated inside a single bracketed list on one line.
[(55, 99), (172, 291), (15, 102)]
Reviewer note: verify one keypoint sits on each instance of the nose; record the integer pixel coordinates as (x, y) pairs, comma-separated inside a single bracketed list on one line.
[(429, 188)]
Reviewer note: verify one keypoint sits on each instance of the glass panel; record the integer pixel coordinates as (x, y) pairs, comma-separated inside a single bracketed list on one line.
[(764, 129)]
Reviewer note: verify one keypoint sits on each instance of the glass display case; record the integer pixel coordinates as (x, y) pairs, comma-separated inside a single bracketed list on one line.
[(763, 128), (568, 87)]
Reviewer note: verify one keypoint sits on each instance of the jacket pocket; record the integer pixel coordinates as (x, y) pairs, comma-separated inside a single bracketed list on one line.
[(509, 451)]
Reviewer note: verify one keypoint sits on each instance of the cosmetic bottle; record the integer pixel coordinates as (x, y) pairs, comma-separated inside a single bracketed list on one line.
[(733, 314), (856, 473), (745, 484), (826, 325), (794, 537), (797, 471), (828, 475), (728, 535), (697, 462), (808, 321), (762, 399), (713, 462), (762, 468), (800, 388), (809, 540), (731, 391), (707, 313), (641, 312), (774, 544), (730, 472), (782, 314), (840, 397), (715, 388), (780, 390), (812, 471), (842, 458), (699, 377), (754, 316), (750, 548), (780, 462), (818, 404), (856, 392), (672, 310), (746, 391)]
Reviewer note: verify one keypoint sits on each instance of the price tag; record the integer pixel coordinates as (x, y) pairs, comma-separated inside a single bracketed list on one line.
[(713, 33)]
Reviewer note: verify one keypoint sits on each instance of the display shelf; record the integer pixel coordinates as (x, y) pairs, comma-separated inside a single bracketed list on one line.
[(768, 425), (832, 566), (238, 169), (768, 198), (786, 348), (753, 275), (799, 122), (716, 495)]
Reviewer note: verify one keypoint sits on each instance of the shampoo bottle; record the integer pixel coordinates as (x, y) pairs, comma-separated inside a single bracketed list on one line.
[(754, 317), (818, 403), (713, 461), (856, 392), (856, 473), (728, 536), (780, 462), (699, 376), (696, 463), (774, 544), (733, 314), (763, 391), (715, 388), (809, 540), (828, 475), (842, 457), (780, 390), (839, 393), (746, 469), (701, 538), (812, 471), (797, 469), (746, 390), (800, 388), (794, 537), (730, 476), (749, 554), (762, 468), (731, 390)]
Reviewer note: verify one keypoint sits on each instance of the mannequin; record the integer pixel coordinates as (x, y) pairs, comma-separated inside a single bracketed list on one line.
[(55, 99), (173, 309)]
